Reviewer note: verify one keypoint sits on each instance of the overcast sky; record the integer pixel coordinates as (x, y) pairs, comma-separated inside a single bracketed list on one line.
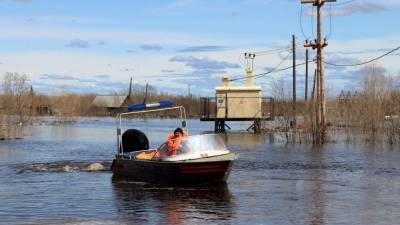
[(95, 46)]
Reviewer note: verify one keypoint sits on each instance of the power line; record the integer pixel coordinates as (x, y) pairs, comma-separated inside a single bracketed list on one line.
[(312, 22), (263, 53), (275, 51), (279, 70), (344, 3), (272, 51), (242, 78), (330, 21), (301, 22), (240, 59), (273, 71), (366, 62)]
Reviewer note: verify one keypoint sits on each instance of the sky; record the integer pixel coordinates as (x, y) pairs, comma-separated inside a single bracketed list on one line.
[(96, 46)]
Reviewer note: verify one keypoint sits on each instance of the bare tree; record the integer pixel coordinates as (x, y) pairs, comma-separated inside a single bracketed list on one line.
[(16, 102)]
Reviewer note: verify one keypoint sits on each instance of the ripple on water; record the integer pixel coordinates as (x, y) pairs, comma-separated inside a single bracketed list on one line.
[(65, 166), (304, 166)]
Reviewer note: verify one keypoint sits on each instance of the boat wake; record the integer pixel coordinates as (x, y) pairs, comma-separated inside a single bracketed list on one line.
[(65, 166)]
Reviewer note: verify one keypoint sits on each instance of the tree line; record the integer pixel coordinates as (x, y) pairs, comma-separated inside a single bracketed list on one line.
[(20, 103), (369, 113)]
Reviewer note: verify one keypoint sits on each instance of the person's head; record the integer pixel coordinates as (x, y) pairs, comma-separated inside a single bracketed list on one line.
[(178, 132)]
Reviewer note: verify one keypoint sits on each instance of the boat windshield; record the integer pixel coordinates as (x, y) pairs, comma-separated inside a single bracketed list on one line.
[(198, 146)]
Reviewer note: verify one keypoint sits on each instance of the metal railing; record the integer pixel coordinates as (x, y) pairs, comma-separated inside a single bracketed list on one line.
[(182, 113)]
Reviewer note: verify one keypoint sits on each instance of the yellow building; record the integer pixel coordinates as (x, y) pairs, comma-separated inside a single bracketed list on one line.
[(238, 102)]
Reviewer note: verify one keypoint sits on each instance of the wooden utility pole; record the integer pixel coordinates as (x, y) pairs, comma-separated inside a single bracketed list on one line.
[(294, 79), (306, 79), (130, 90), (313, 89), (145, 94), (306, 96), (319, 44)]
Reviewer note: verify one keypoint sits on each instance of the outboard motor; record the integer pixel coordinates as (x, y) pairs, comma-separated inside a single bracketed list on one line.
[(134, 140)]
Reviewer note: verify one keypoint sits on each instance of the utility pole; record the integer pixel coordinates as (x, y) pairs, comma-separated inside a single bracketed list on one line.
[(145, 94), (294, 79), (306, 95), (313, 89), (189, 95), (130, 90), (306, 78), (319, 44)]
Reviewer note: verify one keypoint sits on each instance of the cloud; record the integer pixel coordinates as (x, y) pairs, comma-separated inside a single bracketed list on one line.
[(339, 78), (204, 64), (176, 4), (23, 1), (267, 68), (57, 77), (205, 72), (77, 43), (102, 43), (167, 71), (359, 7), (204, 48), (151, 47), (101, 84), (366, 51), (103, 76), (363, 7), (339, 59)]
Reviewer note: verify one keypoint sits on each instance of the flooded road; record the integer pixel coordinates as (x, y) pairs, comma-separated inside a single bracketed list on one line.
[(59, 174)]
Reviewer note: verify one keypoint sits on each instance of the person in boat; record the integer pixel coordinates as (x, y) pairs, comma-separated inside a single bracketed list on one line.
[(175, 141)]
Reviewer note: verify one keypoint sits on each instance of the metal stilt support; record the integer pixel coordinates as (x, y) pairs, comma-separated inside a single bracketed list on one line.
[(219, 126)]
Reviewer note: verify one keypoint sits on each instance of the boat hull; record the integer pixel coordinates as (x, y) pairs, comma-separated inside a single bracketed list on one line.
[(205, 170)]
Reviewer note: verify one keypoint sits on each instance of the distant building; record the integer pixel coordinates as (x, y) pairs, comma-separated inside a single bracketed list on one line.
[(112, 103)]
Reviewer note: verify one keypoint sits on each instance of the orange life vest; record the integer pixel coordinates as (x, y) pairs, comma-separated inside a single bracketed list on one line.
[(175, 143)]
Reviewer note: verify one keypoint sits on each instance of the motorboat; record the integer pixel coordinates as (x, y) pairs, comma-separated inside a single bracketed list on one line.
[(200, 158)]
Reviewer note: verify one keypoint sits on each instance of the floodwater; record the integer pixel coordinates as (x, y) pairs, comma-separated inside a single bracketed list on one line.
[(59, 174)]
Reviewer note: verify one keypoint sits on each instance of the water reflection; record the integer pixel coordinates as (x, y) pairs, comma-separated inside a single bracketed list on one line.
[(243, 140), (160, 204), (318, 199)]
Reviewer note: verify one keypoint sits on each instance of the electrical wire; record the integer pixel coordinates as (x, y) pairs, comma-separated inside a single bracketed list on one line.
[(272, 51), (274, 69), (263, 53), (275, 51), (301, 22), (312, 22), (240, 59), (366, 62), (330, 22), (344, 3)]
